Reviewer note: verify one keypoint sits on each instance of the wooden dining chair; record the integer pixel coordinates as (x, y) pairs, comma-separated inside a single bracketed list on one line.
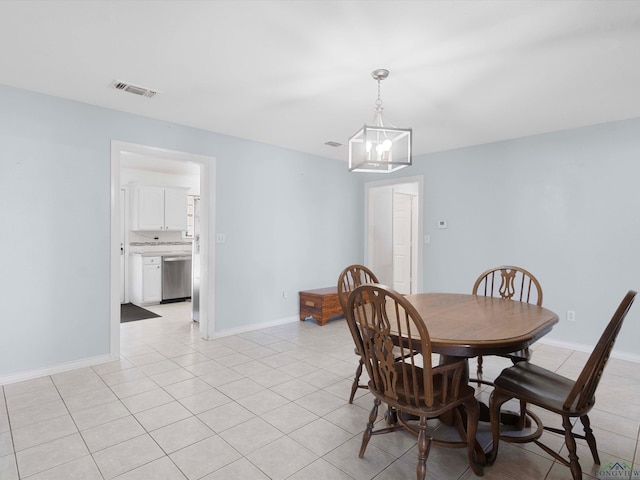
[(351, 277), (512, 283), (555, 393), (383, 321)]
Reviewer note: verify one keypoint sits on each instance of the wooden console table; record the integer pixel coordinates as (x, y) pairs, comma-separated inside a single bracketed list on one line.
[(321, 304)]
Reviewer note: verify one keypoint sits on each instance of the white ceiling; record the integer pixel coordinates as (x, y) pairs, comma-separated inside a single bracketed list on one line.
[(297, 73)]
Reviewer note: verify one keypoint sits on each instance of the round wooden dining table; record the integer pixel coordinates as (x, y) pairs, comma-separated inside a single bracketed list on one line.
[(466, 326), (463, 325)]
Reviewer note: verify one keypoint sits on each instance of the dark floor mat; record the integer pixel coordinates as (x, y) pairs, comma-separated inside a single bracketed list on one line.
[(130, 313)]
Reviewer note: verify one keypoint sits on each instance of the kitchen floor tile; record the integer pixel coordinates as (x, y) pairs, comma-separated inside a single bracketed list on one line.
[(6, 444), (323, 470), (160, 469), (289, 417), (282, 458), (203, 401), (24, 400), (43, 432), (89, 399), (186, 388), (134, 387), (225, 416), (158, 417), (28, 386), (38, 413), (112, 433), (262, 402), (125, 456), (181, 434), (197, 460), (294, 389), (346, 459), (250, 435), (123, 376), (240, 469), (81, 469), (91, 417), (51, 454), (320, 436), (147, 400), (8, 468)]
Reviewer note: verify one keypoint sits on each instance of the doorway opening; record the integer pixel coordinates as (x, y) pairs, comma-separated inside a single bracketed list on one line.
[(121, 154), (393, 227)]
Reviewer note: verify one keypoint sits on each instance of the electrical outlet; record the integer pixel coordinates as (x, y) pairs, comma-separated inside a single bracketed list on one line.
[(571, 316), (285, 296)]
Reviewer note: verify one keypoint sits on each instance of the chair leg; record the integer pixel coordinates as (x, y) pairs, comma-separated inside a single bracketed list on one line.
[(473, 412), (367, 433), (424, 445), (570, 441), (356, 381), (479, 371), (591, 440)]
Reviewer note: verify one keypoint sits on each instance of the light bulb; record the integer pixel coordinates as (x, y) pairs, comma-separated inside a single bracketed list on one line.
[(387, 144)]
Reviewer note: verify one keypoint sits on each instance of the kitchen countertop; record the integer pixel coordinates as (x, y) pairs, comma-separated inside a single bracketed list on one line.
[(162, 253)]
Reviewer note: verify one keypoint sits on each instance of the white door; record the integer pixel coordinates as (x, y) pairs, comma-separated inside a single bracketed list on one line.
[(402, 235)]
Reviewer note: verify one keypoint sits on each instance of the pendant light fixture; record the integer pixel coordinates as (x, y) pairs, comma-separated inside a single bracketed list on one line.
[(380, 147)]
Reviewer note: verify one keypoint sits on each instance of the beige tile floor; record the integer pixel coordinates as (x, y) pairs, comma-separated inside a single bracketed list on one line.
[(268, 404)]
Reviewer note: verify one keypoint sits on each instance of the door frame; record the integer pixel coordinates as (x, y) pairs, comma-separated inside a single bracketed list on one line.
[(207, 223), (369, 187)]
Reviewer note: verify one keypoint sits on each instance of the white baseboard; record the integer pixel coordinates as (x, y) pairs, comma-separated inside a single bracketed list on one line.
[(631, 357), (53, 369), (255, 326)]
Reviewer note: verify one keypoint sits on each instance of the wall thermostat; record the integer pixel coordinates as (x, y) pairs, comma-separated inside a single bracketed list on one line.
[(442, 224)]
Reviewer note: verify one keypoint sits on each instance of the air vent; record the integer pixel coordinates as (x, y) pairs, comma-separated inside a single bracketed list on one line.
[(333, 144), (135, 89)]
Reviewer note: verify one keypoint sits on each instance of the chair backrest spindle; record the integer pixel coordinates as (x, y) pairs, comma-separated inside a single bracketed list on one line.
[(381, 320), (509, 282)]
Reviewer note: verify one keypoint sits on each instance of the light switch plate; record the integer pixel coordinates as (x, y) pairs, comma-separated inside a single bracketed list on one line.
[(220, 238)]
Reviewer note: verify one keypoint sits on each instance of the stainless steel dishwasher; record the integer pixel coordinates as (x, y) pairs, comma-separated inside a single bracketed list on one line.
[(176, 277)]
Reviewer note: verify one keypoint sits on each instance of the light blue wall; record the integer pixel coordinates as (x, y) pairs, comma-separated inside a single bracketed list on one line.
[(285, 214), (565, 205)]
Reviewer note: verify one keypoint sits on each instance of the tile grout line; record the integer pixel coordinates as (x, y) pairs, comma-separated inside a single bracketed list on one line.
[(13, 445)]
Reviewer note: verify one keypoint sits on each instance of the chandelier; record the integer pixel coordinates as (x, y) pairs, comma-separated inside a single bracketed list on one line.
[(380, 147)]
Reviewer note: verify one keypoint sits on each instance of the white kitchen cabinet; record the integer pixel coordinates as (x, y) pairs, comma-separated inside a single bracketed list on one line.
[(158, 208), (146, 280), (175, 209)]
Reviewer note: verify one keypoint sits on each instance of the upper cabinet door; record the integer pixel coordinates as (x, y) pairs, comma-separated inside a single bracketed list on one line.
[(159, 208), (175, 208), (150, 208)]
